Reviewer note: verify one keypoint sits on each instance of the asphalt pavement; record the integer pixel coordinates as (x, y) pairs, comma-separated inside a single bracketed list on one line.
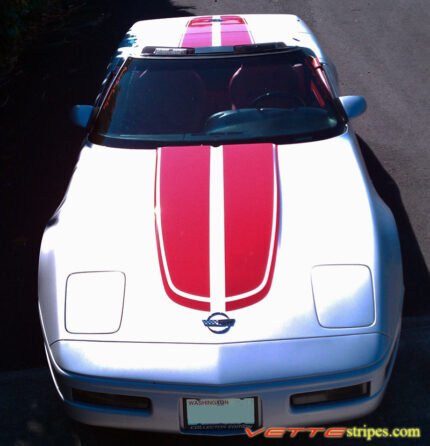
[(381, 50)]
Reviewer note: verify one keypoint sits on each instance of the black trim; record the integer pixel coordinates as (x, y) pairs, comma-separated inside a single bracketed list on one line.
[(111, 400), (253, 48), (330, 395)]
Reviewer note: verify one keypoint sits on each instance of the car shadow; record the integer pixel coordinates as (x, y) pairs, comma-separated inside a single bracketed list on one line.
[(415, 271)]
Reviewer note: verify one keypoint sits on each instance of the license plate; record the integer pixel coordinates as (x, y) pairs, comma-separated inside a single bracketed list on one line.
[(219, 414)]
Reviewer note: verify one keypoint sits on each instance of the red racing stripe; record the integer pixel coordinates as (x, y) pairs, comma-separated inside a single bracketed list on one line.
[(183, 224), (250, 207), (234, 31), (198, 33)]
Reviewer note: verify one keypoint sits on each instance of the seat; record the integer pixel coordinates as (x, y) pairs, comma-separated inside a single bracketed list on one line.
[(160, 101), (266, 86)]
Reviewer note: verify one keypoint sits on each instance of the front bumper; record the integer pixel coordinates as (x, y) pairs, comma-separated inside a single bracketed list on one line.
[(271, 371)]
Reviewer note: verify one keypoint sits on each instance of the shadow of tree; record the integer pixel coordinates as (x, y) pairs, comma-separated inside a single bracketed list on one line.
[(415, 272), (40, 146)]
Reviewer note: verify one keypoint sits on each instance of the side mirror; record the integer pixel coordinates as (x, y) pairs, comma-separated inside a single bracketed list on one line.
[(353, 105), (81, 114)]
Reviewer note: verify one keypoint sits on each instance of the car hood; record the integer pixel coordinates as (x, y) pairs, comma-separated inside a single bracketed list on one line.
[(235, 230)]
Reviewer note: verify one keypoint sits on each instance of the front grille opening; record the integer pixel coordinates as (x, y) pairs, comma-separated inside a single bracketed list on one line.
[(111, 400), (331, 396)]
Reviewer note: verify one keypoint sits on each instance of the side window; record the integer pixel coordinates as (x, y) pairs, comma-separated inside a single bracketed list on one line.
[(330, 72), (115, 64), (105, 84)]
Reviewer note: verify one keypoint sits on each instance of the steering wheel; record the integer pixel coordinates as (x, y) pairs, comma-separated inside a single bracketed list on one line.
[(277, 94)]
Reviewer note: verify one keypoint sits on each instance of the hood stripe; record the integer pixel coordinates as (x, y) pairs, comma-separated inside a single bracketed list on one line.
[(216, 223), (251, 208), (182, 223)]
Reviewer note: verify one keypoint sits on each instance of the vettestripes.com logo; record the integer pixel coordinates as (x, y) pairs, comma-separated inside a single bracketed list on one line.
[(364, 432)]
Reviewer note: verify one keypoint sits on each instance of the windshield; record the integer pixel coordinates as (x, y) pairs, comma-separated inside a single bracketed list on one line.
[(274, 97)]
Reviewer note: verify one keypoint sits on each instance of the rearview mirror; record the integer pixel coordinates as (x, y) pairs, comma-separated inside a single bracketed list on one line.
[(80, 115), (353, 105)]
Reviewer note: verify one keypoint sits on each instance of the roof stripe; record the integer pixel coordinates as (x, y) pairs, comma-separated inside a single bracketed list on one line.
[(209, 31), (198, 33), (234, 31)]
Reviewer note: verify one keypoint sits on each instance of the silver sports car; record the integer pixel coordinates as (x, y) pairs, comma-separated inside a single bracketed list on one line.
[(221, 259)]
